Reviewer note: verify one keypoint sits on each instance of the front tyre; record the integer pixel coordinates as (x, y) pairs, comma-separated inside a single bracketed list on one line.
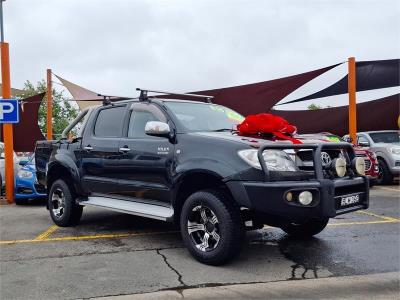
[(384, 176), (211, 227), (306, 229), (63, 210)]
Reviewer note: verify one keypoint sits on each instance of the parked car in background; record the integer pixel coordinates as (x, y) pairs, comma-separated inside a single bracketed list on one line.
[(371, 162), (2, 167), (386, 145), (26, 184)]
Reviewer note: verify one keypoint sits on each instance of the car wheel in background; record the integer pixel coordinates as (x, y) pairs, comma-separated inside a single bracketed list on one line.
[(211, 227), (306, 229), (63, 209), (384, 177)]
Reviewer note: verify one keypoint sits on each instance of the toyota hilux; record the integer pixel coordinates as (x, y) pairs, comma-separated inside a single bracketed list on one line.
[(182, 161)]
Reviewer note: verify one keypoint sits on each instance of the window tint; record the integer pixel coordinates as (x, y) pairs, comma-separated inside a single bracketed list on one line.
[(109, 122), (138, 122)]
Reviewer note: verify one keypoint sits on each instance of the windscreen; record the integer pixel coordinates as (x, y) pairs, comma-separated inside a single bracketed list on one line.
[(205, 116), (385, 137)]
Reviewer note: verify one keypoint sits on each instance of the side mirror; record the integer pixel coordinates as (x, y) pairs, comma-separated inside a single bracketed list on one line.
[(155, 128), (347, 139), (363, 144)]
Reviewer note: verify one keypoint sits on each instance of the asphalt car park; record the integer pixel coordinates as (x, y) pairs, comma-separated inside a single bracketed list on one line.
[(116, 254)]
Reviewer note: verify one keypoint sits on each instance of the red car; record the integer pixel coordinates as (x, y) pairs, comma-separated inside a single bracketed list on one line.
[(371, 162)]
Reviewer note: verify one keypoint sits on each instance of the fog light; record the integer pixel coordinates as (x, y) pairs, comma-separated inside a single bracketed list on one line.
[(359, 165), (340, 166), (305, 198), (289, 196)]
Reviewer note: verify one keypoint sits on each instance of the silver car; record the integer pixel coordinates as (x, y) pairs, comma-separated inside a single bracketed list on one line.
[(386, 145)]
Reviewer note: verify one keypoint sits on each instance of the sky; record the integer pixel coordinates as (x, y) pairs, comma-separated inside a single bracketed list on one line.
[(114, 46)]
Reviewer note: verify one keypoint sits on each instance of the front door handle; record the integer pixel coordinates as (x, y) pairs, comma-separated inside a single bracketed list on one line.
[(88, 148), (124, 149)]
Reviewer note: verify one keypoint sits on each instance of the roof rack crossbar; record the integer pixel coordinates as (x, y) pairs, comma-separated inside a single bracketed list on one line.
[(144, 92)]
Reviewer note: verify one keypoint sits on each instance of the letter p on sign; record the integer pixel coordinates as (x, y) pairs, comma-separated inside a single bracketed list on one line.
[(9, 111)]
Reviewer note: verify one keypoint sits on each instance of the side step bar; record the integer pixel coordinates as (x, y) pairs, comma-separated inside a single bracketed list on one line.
[(129, 207)]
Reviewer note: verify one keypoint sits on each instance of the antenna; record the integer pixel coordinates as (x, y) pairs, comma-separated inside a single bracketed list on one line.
[(143, 94)]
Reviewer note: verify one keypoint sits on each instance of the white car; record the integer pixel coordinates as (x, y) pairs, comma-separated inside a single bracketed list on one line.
[(2, 166)]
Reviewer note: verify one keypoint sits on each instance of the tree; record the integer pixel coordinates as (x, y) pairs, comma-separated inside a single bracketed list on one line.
[(64, 111), (313, 106)]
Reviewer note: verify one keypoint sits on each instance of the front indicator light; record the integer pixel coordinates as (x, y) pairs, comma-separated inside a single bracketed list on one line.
[(340, 166), (289, 196), (305, 198), (358, 164)]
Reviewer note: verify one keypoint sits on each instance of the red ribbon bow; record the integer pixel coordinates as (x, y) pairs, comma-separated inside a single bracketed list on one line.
[(268, 123)]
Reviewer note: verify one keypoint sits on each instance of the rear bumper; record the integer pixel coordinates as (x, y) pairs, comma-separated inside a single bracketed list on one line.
[(269, 198)]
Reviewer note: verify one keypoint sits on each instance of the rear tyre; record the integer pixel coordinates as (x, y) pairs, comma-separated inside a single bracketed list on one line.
[(384, 177), (211, 227), (307, 229), (63, 210)]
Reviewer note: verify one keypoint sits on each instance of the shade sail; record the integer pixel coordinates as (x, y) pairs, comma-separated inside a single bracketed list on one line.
[(27, 131), (378, 114), (262, 96), (370, 75), (80, 93)]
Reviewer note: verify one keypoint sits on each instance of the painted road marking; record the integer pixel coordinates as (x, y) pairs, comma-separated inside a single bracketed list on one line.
[(85, 237), (45, 234), (387, 189), (119, 235), (378, 216)]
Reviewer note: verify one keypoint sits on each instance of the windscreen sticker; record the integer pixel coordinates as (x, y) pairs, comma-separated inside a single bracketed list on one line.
[(333, 139)]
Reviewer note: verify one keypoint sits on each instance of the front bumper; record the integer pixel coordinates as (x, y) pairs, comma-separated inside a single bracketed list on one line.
[(269, 198), (28, 189), (331, 197)]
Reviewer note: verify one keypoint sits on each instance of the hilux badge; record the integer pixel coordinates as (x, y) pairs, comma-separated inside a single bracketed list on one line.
[(162, 150)]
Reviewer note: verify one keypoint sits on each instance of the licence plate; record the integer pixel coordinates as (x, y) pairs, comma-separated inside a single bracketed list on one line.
[(349, 200)]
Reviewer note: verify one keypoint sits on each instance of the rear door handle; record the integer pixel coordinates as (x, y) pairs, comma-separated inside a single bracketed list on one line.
[(88, 148), (124, 149)]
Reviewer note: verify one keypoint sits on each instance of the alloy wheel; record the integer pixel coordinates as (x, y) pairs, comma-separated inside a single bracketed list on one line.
[(58, 203), (203, 228)]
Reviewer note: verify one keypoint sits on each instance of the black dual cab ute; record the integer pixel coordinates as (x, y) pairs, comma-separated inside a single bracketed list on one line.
[(181, 161)]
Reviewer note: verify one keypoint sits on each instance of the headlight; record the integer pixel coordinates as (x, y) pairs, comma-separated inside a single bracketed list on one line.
[(276, 160), (25, 174), (395, 150)]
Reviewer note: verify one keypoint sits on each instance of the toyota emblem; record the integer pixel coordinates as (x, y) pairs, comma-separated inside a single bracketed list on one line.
[(325, 158)]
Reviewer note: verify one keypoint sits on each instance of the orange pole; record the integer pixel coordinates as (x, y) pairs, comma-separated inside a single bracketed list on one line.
[(352, 99), (49, 106), (7, 128)]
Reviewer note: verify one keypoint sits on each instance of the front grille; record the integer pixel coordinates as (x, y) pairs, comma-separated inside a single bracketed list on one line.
[(367, 164)]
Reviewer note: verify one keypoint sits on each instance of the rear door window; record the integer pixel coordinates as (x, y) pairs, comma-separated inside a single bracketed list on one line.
[(109, 122)]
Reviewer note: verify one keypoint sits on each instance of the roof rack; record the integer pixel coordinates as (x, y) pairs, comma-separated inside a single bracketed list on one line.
[(144, 97), (107, 99)]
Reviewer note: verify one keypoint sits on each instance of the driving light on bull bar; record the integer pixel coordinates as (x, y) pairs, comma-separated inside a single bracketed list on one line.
[(305, 198), (339, 164), (358, 164)]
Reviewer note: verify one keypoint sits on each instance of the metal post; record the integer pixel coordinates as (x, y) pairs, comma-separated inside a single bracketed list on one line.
[(352, 99), (7, 128), (49, 95), (1, 20)]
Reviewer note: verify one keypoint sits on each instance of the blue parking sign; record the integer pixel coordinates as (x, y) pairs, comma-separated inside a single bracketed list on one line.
[(9, 111)]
